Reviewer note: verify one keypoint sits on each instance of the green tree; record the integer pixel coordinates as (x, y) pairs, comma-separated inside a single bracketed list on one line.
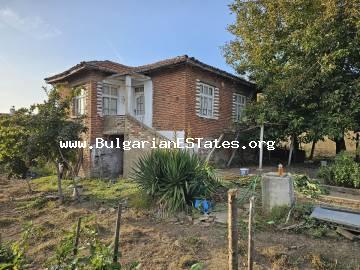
[(34, 134), (304, 55), (50, 125), (14, 139)]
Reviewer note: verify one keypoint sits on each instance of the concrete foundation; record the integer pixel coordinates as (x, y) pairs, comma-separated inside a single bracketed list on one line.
[(277, 190)]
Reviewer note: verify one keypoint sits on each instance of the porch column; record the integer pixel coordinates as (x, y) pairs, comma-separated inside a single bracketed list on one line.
[(128, 94)]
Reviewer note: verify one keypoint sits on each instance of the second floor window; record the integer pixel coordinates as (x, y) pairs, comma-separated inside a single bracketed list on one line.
[(139, 101), (206, 100), (239, 103), (79, 103), (109, 99)]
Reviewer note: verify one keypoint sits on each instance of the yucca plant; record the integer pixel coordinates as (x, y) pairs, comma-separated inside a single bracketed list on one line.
[(174, 177)]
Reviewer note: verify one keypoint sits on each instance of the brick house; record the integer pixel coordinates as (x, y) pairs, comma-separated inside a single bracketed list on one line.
[(180, 97)]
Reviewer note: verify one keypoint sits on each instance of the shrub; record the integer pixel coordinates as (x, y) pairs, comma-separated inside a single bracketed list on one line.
[(174, 177), (343, 172), (307, 186)]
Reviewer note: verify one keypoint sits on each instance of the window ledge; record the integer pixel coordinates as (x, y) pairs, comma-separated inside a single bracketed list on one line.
[(208, 117)]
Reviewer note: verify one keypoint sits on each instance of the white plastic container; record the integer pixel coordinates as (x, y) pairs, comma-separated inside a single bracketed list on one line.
[(244, 171)]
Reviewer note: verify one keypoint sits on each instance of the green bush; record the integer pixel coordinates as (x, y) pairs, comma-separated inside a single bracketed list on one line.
[(307, 186), (343, 172), (174, 177)]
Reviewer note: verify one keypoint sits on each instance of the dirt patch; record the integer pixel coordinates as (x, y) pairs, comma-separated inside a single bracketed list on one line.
[(163, 245)]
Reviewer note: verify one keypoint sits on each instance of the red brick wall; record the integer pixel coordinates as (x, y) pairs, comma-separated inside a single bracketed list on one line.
[(174, 99), (169, 99), (92, 121), (210, 128)]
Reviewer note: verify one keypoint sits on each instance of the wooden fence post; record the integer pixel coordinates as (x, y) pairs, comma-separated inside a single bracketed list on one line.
[(233, 230), (251, 233), (77, 236), (117, 234)]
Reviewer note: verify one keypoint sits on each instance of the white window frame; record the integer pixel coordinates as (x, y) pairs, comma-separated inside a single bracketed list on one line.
[(206, 99), (240, 103), (139, 92), (79, 103), (111, 95)]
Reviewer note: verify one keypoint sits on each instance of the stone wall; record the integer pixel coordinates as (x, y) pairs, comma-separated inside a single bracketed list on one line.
[(140, 132)]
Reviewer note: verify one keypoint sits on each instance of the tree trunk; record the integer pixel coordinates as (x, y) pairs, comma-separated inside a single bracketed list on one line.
[(312, 150), (291, 150), (59, 176), (340, 145)]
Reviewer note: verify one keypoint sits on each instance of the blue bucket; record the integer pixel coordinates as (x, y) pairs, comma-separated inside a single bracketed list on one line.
[(203, 205)]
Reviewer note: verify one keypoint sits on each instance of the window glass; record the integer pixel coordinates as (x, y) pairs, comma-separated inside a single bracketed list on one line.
[(79, 103), (240, 102), (110, 99), (206, 100), (139, 101)]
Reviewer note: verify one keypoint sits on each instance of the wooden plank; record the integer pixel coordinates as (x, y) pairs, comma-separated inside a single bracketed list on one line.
[(117, 234), (213, 149), (251, 234), (233, 151), (233, 233), (346, 233)]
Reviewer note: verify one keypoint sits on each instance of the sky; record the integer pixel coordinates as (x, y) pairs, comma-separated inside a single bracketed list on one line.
[(40, 38)]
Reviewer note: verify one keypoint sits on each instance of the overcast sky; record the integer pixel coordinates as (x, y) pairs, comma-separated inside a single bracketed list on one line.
[(39, 38)]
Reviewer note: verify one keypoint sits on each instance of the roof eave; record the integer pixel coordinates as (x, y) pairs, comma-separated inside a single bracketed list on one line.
[(59, 77)]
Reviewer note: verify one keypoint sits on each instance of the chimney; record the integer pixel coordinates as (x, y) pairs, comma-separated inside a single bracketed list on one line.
[(12, 110)]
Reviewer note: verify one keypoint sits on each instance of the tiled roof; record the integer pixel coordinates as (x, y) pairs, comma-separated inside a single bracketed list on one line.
[(116, 68), (106, 66)]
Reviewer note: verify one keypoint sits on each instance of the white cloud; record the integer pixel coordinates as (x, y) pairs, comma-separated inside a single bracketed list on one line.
[(34, 26)]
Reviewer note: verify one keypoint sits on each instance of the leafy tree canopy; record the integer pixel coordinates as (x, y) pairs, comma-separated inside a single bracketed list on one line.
[(304, 56)]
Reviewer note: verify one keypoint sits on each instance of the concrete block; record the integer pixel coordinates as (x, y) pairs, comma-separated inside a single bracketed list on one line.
[(277, 190)]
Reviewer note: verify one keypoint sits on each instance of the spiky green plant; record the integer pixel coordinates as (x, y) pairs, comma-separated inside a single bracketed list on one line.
[(174, 177)]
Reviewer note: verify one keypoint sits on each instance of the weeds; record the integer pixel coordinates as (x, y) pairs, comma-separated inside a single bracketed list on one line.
[(12, 255), (321, 263), (308, 187), (93, 254)]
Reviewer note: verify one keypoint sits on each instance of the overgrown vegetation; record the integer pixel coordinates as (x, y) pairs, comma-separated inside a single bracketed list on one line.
[(343, 172), (12, 255), (299, 220), (174, 178), (93, 254), (97, 190), (308, 187)]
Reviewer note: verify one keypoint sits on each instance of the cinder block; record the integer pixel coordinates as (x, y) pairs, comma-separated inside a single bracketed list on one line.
[(277, 190)]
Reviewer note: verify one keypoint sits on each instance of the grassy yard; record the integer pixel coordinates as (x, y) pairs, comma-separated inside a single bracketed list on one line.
[(98, 191)]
